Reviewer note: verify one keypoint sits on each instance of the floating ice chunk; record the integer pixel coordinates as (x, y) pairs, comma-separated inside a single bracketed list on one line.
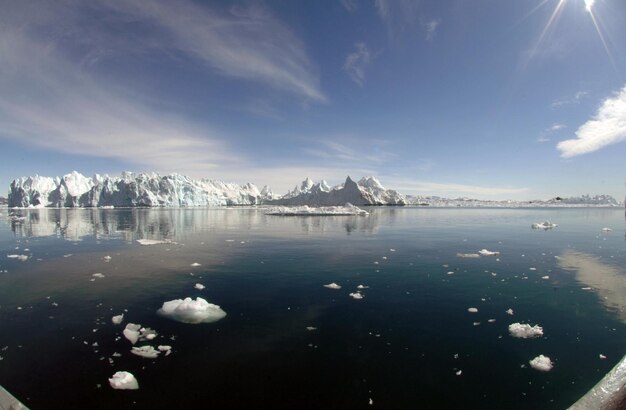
[(491, 320), (546, 277), (485, 252), (392, 250), (525, 331), (98, 275), (357, 295), (472, 310), (164, 348), (147, 334), (147, 242), (310, 328), (18, 257), (199, 286), (586, 288), (606, 229), (509, 311), (147, 351), (191, 311), (602, 356), (541, 363), (124, 381), (332, 286), (362, 287), (460, 372), (467, 255), (131, 332), (544, 225), (195, 264), (117, 319), (107, 258)]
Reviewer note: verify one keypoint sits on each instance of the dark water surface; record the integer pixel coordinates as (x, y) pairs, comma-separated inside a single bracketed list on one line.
[(400, 346)]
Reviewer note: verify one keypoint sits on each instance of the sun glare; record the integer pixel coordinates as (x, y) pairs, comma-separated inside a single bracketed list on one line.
[(589, 5)]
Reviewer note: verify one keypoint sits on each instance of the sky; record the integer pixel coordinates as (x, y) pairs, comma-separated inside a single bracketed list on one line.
[(489, 99)]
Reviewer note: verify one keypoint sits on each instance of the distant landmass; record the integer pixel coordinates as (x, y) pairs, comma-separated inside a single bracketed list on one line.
[(153, 190)]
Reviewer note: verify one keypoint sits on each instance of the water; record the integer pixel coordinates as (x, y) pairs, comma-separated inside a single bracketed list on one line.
[(401, 346)]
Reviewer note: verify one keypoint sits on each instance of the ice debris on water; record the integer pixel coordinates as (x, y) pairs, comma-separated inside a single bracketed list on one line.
[(107, 258), (199, 286), (472, 310), (195, 264), (98, 275), (357, 295), (148, 242), (544, 225), (541, 363), (134, 333), (525, 331), (332, 286), (124, 381), (509, 311), (485, 252), (191, 311), (146, 351), (117, 319), (362, 287), (18, 257), (467, 255), (606, 229)]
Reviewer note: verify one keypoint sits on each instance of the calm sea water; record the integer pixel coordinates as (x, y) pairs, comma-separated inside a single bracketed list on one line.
[(401, 346)]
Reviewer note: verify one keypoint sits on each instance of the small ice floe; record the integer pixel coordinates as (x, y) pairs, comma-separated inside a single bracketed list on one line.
[(460, 372), (199, 286), (491, 320), (533, 269), (117, 320), (467, 255), (332, 286), (546, 277), (357, 295), (146, 351), (472, 310), (18, 257), (107, 258), (191, 311), (509, 311), (98, 275), (544, 225), (586, 288), (525, 331), (347, 209), (451, 273), (124, 381), (148, 242), (67, 255), (362, 287), (165, 348), (602, 357), (606, 229), (195, 264), (131, 332), (392, 250), (485, 252), (311, 328), (476, 323), (541, 363)]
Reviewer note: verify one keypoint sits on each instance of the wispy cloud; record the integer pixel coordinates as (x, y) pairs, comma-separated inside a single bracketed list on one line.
[(575, 99), (356, 62), (349, 5), (453, 189), (545, 134), (430, 27), (607, 127), (352, 151)]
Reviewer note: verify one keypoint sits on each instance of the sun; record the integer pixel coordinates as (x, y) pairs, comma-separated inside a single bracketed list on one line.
[(589, 5)]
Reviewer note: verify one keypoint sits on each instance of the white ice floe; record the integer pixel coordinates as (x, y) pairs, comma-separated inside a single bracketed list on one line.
[(107, 258), (362, 287), (606, 229), (357, 295), (546, 277), (124, 381), (347, 209), (544, 225), (472, 310), (602, 356), (485, 252), (98, 275), (311, 328), (199, 286), (117, 319), (147, 351), (131, 332), (509, 311), (332, 286), (460, 372), (147, 242), (525, 331), (467, 255), (165, 348), (18, 257), (195, 264), (191, 311), (541, 363)]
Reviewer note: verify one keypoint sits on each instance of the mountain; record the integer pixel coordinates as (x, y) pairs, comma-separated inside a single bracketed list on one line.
[(579, 201), (368, 191), (130, 190)]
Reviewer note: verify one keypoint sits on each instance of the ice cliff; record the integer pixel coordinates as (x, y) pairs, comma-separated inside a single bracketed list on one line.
[(130, 190), (368, 191)]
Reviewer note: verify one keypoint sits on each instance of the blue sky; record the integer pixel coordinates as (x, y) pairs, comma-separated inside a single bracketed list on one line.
[(494, 99)]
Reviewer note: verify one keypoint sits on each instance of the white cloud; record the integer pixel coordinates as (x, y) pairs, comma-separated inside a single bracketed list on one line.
[(354, 151), (575, 99), (544, 137), (451, 189), (607, 127), (349, 5), (431, 28), (356, 62)]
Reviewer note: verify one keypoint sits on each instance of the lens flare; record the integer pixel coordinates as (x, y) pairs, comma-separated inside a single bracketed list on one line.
[(589, 5)]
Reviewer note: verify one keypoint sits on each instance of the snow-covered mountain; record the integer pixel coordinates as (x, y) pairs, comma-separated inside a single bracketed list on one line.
[(368, 191), (579, 201), (130, 190)]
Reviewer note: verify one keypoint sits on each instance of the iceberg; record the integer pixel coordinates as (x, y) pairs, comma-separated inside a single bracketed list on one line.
[(347, 209), (147, 351), (117, 320), (332, 286), (472, 310), (124, 381), (199, 286), (131, 332), (544, 225), (525, 331), (191, 311), (357, 295), (541, 363), (485, 252)]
